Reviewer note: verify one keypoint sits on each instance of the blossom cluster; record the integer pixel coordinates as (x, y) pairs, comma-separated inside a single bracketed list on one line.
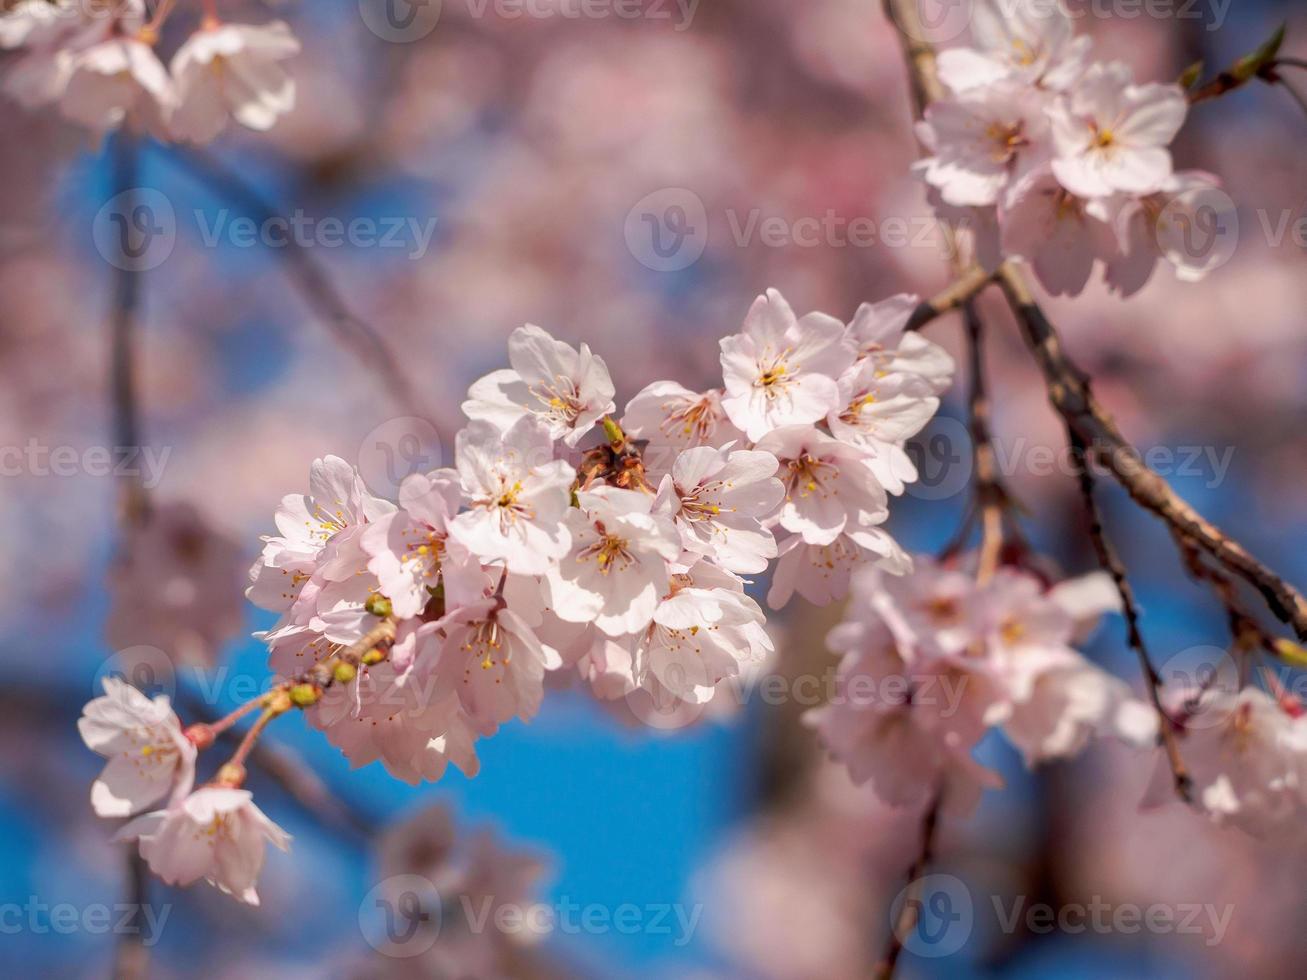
[(934, 659), (1066, 163), (97, 62), (562, 541)]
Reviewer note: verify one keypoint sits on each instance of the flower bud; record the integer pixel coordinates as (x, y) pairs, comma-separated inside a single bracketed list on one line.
[(344, 673), (304, 695), (378, 605), (373, 656), (200, 735), (232, 775)]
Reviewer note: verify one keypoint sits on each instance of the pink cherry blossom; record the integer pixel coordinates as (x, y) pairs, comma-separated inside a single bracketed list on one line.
[(617, 569), (829, 486), (149, 756), (518, 494), (1113, 136), (215, 833), (232, 70), (984, 140), (781, 369), (567, 389), (719, 499), (671, 418), (1031, 42)]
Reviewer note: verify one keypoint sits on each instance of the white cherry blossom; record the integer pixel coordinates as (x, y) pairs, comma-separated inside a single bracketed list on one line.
[(1031, 42), (232, 71), (1113, 136), (568, 389), (719, 499), (617, 569), (149, 756), (215, 833), (517, 494), (782, 369)]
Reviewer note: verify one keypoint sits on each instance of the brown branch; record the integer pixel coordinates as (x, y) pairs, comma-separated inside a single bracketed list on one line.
[(131, 956), (1069, 392), (1111, 561), (992, 499), (911, 907), (954, 297), (314, 280)]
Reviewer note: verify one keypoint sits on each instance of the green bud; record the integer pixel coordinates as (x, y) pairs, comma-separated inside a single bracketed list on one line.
[(304, 695), (1250, 66), (344, 673), (1191, 75), (378, 605), (373, 656)]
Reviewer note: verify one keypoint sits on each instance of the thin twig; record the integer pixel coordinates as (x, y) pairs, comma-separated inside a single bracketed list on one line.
[(1111, 562), (132, 957), (910, 910), (955, 296), (315, 282), (991, 498)]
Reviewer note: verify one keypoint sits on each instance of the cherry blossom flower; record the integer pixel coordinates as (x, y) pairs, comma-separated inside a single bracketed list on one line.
[(215, 833), (1186, 223), (828, 485), (1031, 42), (1245, 755), (983, 141), (232, 70), (52, 34), (1061, 235), (880, 412), (1112, 135), (411, 554), (821, 572), (879, 331), (493, 660), (781, 369), (719, 499), (517, 492), (567, 389), (117, 79), (149, 756), (319, 532), (671, 418), (617, 569), (705, 631)]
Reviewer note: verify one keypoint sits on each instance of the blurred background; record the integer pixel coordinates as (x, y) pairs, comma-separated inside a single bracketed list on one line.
[(631, 181)]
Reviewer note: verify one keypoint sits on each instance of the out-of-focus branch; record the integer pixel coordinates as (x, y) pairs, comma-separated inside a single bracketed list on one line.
[(313, 280), (909, 911), (1111, 562), (1069, 392), (131, 956), (992, 499)]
